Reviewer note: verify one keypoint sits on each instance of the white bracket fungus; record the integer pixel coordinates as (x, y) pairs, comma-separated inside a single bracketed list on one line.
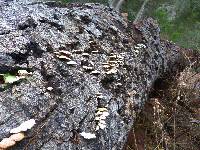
[(85, 54), (49, 88), (17, 134), (95, 72), (87, 68), (63, 55), (71, 63), (11, 141), (24, 126), (88, 135)]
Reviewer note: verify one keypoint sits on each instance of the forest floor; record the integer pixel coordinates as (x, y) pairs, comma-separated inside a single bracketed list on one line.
[(171, 117)]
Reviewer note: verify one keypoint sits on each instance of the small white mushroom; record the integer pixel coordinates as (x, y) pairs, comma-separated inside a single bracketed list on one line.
[(97, 118), (101, 115), (102, 122), (102, 126), (94, 52), (97, 128), (102, 109), (49, 88), (106, 66), (141, 45), (105, 113), (6, 142), (63, 57), (120, 62), (88, 68), (112, 71), (57, 53), (100, 118), (86, 54), (71, 63), (113, 56), (100, 96), (118, 84), (95, 72), (137, 47), (88, 135), (66, 52), (23, 73), (112, 62), (11, 141), (90, 42), (137, 51), (113, 65), (98, 113), (77, 51), (120, 57), (17, 137)]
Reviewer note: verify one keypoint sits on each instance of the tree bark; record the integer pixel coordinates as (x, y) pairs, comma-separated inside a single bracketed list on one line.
[(82, 58)]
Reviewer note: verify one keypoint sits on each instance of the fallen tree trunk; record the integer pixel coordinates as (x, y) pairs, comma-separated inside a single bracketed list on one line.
[(80, 60)]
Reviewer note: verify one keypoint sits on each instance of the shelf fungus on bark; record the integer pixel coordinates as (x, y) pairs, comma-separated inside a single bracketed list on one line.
[(24, 126), (88, 68), (113, 63), (11, 141), (85, 54), (88, 135), (95, 72), (71, 63), (65, 55), (24, 73), (100, 117), (17, 134)]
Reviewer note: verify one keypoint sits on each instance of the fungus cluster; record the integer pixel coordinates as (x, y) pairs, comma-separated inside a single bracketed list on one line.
[(24, 73), (113, 63), (95, 72), (91, 70), (17, 134), (85, 54), (100, 117), (88, 68), (65, 55), (11, 141), (88, 135)]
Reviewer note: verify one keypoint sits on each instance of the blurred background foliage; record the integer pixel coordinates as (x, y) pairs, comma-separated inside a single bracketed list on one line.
[(179, 19)]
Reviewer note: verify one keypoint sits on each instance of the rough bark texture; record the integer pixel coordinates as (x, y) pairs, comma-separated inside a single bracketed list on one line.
[(30, 33)]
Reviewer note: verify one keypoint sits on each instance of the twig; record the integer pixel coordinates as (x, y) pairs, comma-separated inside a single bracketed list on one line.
[(177, 99), (141, 11)]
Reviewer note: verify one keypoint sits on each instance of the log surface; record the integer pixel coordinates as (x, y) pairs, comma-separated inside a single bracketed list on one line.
[(33, 35)]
